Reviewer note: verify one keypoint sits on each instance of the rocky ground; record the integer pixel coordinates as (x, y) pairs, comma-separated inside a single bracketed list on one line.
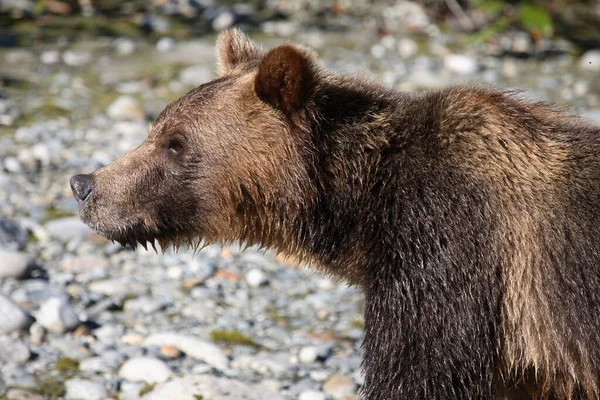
[(82, 318)]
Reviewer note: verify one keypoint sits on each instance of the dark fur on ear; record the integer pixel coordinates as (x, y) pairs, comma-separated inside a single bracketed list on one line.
[(235, 51), (285, 78)]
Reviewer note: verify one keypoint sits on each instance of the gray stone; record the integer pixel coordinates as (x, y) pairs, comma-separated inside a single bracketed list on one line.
[(146, 305), (12, 235), (68, 228), (50, 57), (70, 347), (57, 315), (123, 286), (192, 346), (12, 318), (165, 44), (125, 108), (14, 375), (196, 75), (86, 263), (14, 264), (76, 58), (145, 369), (223, 21), (13, 351), (81, 389), (190, 387)]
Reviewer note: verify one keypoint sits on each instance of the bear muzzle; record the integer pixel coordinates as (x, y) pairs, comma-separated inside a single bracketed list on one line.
[(81, 186)]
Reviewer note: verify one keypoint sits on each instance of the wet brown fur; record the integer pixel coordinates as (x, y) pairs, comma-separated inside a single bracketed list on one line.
[(469, 217)]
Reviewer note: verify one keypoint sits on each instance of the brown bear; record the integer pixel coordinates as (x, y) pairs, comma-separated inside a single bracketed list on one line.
[(469, 217)]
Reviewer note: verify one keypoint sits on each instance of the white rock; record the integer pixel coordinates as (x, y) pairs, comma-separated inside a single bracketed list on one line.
[(118, 287), (145, 369), (125, 108), (308, 354), (196, 75), (81, 389), (76, 58), (57, 315), (192, 346), (590, 60), (50, 57), (407, 48), (165, 44), (14, 264), (461, 64), (311, 395), (223, 21), (190, 387), (339, 386), (12, 318), (256, 278)]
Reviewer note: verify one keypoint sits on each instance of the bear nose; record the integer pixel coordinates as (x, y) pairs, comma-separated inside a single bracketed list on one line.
[(81, 185)]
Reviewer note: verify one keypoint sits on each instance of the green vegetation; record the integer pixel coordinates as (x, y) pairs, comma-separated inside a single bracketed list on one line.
[(67, 367), (147, 388), (52, 385), (231, 337)]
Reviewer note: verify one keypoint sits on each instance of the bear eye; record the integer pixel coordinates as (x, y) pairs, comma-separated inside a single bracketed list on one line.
[(174, 145)]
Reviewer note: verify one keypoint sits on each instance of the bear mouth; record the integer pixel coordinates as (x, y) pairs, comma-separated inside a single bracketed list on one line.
[(137, 234)]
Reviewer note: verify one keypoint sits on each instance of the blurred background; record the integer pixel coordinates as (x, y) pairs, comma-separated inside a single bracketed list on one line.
[(82, 318)]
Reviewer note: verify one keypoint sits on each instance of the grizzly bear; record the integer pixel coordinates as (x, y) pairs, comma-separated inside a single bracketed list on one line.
[(469, 217)]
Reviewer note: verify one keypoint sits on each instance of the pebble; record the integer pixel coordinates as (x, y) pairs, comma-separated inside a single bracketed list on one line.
[(85, 263), (37, 333), (192, 387), (590, 61), (20, 394), (50, 57), (64, 229), (145, 369), (196, 75), (311, 395), (57, 315), (12, 318), (14, 264), (339, 386), (308, 354), (12, 235), (13, 351), (223, 21), (192, 346), (170, 351), (122, 286), (256, 278), (165, 44), (461, 64), (14, 375), (76, 58), (81, 389), (125, 108)]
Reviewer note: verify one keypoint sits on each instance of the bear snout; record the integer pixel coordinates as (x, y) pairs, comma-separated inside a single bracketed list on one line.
[(81, 185)]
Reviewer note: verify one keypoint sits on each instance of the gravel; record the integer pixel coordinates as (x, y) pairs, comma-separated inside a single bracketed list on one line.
[(215, 322)]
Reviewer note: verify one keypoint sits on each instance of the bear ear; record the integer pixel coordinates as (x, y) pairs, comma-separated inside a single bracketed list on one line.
[(234, 49), (286, 78)]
